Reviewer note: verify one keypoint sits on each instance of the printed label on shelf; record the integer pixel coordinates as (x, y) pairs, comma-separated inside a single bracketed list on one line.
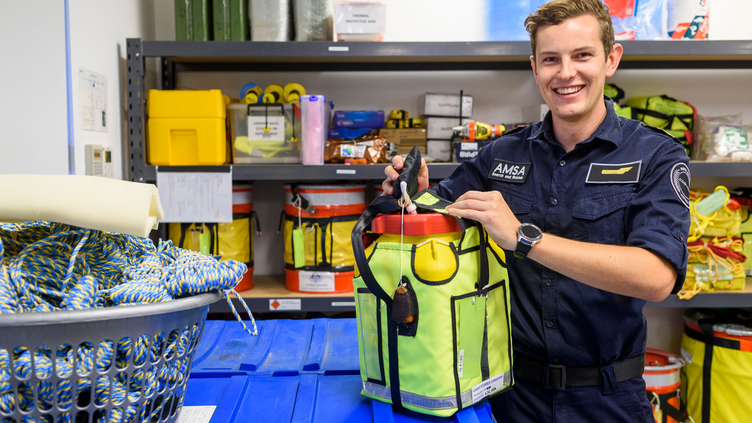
[(196, 414), (346, 171), (257, 128), (316, 281), (343, 303), (338, 48), (489, 386), (278, 304)]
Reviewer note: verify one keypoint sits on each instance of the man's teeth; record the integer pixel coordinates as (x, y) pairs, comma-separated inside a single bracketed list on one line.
[(570, 90)]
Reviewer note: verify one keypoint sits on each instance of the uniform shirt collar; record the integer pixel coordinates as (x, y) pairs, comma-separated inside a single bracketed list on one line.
[(609, 130)]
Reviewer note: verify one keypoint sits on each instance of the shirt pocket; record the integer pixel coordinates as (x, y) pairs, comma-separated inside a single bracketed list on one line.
[(600, 218), (520, 204)]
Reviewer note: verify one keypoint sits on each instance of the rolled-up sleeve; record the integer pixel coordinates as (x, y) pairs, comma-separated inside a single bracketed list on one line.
[(657, 219)]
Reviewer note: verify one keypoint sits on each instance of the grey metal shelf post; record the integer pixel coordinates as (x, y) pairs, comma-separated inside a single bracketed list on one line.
[(136, 118)]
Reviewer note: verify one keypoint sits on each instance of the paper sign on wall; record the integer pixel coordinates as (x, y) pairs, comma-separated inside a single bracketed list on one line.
[(92, 99), (196, 196)]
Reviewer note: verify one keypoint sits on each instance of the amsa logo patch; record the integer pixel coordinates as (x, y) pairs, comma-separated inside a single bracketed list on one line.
[(505, 171)]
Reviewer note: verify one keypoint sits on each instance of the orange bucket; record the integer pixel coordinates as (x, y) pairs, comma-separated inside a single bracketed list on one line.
[(326, 215), (662, 376)]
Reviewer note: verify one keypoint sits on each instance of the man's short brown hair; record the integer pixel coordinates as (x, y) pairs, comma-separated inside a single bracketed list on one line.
[(557, 11)]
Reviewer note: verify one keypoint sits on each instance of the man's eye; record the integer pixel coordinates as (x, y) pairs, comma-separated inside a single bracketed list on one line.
[(549, 59), (584, 55)]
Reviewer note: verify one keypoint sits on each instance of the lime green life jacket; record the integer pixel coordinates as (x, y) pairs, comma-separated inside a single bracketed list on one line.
[(456, 348)]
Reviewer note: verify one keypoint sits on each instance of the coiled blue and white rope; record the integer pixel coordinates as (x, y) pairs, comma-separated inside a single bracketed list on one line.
[(51, 267)]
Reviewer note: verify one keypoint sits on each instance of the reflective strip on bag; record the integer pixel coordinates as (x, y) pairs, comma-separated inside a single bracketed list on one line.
[(424, 402)]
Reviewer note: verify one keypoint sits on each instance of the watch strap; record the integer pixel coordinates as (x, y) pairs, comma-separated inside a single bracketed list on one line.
[(522, 250)]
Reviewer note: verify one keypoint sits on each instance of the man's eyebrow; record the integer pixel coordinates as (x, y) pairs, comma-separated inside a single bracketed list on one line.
[(578, 49)]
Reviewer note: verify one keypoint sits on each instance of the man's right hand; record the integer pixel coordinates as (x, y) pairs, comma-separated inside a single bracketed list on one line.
[(392, 173)]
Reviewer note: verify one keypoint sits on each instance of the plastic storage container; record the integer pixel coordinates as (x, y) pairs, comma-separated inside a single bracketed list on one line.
[(315, 126), (230, 240), (323, 263), (279, 145), (306, 398), (663, 379), (282, 347), (186, 128)]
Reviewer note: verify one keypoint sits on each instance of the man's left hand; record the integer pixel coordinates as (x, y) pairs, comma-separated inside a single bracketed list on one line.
[(490, 209)]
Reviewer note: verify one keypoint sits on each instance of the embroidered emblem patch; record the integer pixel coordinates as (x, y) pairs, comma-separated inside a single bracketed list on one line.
[(505, 171), (621, 173), (680, 182)]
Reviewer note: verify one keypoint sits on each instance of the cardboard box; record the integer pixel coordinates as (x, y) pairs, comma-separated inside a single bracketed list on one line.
[(534, 113), (439, 150), (407, 136), (468, 150), (434, 104), (440, 128), (405, 149)]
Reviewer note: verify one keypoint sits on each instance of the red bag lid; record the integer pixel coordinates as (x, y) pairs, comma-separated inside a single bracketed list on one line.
[(415, 224)]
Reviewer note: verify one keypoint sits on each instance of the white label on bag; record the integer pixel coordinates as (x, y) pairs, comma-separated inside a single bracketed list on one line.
[(316, 281), (353, 151), (196, 414), (488, 387), (459, 363), (256, 125)]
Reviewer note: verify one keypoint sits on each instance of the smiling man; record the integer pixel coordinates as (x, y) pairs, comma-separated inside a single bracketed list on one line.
[(593, 211)]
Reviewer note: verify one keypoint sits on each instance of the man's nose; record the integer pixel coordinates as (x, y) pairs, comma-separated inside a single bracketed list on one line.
[(567, 70)]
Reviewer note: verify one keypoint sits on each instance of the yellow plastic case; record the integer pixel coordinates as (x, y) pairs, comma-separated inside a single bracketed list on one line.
[(186, 128)]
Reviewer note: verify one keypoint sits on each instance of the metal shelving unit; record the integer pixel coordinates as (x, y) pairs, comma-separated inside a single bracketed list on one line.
[(269, 289), (188, 56)]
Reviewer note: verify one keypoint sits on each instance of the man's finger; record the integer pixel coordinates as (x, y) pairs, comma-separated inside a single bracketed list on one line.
[(386, 186), (472, 204), (475, 195)]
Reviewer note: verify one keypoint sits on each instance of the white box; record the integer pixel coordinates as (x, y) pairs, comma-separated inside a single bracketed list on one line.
[(440, 128), (534, 113), (433, 104), (439, 150)]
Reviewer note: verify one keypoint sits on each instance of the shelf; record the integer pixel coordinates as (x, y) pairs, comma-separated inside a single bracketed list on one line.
[(437, 171), (267, 289), (731, 299), (270, 288), (426, 56), (296, 172)]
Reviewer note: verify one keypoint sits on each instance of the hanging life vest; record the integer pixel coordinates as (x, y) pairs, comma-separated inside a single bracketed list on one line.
[(435, 334)]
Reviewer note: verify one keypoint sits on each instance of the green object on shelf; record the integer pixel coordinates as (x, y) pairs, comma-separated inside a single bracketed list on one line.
[(230, 19), (183, 20), (239, 28), (221, 18), (201, 20)]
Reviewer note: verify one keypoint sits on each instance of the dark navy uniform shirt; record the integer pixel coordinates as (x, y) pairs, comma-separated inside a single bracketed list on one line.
[(628, 184)]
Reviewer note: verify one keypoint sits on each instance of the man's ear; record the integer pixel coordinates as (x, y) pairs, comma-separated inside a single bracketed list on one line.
[(613, 59), (532, 65)]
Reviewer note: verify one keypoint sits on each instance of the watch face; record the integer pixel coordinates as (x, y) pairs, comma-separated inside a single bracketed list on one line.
[(530, 231)]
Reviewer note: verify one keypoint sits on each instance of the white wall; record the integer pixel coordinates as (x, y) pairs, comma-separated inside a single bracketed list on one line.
[(98, 33), (33, 111)]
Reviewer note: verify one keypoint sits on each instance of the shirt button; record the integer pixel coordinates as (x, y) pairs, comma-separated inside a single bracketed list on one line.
[(550, 324), (548, 282), (562, 162), (554, 201)]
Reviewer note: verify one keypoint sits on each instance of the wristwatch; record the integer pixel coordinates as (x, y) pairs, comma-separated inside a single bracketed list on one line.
[(527, 236)]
